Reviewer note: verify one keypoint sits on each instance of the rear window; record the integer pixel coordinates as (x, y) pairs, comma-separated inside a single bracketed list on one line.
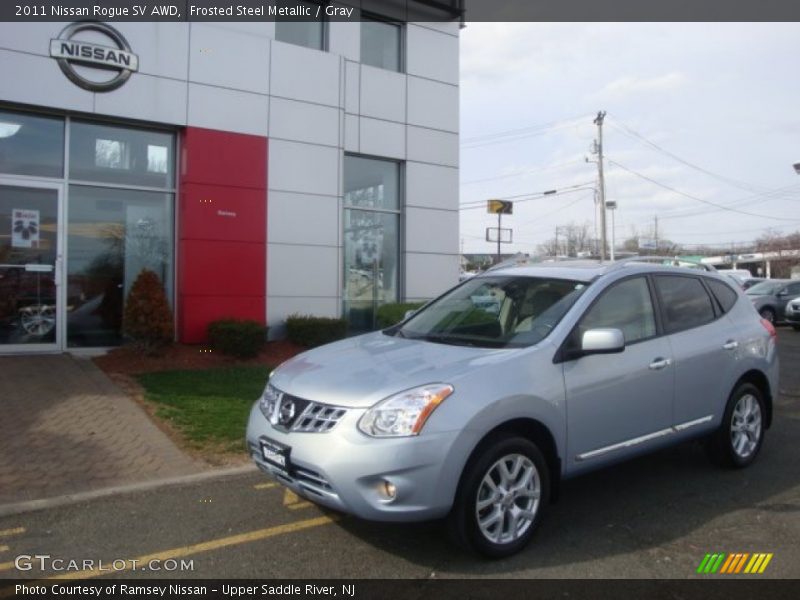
[(685, 302), (723, 293)]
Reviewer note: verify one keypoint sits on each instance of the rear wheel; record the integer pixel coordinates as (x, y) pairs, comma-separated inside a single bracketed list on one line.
[(501, 497), (738, 440)]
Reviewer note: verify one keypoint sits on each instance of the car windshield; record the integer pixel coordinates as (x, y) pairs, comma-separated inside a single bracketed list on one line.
[(494, 312), (765, 288)]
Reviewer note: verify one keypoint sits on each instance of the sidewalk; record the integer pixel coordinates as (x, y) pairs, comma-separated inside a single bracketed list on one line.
[(66, 428)]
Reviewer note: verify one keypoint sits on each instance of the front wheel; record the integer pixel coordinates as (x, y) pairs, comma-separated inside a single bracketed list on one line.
[(738, 440), (768, 314), (502, 495)]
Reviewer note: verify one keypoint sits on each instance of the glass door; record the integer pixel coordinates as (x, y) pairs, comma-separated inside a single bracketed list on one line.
[(30, 266)]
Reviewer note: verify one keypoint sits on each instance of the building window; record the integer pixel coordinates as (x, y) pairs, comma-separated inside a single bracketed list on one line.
[(372, 202), (381, 43), (31, 145), (310, 34)]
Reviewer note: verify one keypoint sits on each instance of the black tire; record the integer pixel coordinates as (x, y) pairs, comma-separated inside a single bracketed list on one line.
[(768, 314), (462, 522), (722, 445)]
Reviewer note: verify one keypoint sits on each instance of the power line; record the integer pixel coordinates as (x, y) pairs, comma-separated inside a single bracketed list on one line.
[(636, 136), (525, 172), (695, 198), (544, 127)]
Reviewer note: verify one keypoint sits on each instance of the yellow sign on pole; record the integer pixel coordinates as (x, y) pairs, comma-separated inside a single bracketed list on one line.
[(500, 207)]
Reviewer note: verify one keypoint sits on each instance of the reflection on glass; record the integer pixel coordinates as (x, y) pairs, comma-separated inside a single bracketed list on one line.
[(301, 33), (31, 145), (112, 235), (123, 155), (28, 249), (371, 261), (380, 44), (371, 183)]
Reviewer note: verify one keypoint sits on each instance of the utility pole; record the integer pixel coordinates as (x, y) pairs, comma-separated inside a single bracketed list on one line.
[(602, 187), (655, 231)]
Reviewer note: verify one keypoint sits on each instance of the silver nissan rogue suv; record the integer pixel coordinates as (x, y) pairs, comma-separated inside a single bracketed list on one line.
[(477, 405)]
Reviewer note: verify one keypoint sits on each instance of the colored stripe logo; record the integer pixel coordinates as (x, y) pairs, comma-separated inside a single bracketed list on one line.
[(737, 562)]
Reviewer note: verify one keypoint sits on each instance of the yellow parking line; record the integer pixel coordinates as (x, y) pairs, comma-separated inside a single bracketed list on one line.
[(181, 551), (10, 532), (3, 548), (300, 505), (265, 486), (6, 566)]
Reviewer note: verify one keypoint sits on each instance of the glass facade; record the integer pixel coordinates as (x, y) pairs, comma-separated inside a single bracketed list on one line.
[(310, 34), (381, 44), (116, 219), (372, 201)]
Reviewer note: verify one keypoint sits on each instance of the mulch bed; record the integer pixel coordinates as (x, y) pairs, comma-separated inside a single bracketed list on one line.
[(126, 360)]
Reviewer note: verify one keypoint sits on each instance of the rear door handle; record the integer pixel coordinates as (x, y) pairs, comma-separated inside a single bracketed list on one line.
[(730, 345), (660, 363)]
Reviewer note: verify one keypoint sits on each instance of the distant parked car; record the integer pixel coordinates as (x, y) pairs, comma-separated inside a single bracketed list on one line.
[(770, 297), (738, 275), (793, 314), (748, 283)]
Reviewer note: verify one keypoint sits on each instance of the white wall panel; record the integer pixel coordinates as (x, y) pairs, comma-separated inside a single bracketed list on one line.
[(432, 104), (429, 230), (33, 37), (304, 122), (163, 48), (431, 186), (304, 74), (227, 110), (383, 94), (228, 57), (302, 219), (38, 80), (351, 136), (352, 87), (431, 54), (345, 38), (303, 168), (302, 271), (382, 138), (428, 275), (437, 147), (147, 98)]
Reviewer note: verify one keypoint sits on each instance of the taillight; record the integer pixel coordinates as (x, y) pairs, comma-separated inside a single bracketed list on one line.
[(770, 328)]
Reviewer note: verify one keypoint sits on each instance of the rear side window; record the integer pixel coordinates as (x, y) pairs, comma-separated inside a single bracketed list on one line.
[(723, 293), (685, 302)]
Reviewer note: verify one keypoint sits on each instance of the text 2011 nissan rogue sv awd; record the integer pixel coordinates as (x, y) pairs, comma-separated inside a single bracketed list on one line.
[(474, 407)]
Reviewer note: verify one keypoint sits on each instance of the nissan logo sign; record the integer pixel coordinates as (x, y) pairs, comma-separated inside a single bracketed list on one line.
[(118, 58)]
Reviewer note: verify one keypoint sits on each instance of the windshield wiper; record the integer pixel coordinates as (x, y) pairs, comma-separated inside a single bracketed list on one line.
[(457, 340)]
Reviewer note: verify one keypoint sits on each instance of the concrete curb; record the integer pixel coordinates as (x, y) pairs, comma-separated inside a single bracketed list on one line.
[(67, 499)]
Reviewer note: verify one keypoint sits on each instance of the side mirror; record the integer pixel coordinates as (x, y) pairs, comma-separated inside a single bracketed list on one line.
[(409, 314), (602, 341)]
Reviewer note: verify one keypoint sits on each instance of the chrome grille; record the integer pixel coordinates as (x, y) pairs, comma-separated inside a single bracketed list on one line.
[(318, 418)]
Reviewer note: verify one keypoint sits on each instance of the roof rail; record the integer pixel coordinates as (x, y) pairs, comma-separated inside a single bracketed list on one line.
[(667, 261)]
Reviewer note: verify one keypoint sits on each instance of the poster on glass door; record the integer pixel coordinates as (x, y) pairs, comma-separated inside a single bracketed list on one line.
[(24, 228)]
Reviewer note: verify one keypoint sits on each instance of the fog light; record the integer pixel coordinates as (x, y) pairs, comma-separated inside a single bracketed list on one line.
[(389, 490)]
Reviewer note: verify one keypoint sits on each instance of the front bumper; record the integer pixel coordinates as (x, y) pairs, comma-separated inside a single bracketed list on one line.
[(346, 470), (792, 315)]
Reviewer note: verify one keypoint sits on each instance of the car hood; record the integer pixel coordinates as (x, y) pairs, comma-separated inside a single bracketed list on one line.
[(360, 371)]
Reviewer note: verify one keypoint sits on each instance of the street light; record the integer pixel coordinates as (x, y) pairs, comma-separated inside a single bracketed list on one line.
[(612, 206)]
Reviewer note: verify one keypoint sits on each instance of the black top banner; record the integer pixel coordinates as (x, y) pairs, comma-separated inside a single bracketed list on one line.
[(465, 11)]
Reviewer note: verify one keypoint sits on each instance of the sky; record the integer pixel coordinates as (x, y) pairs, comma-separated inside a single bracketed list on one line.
[(710, 110)]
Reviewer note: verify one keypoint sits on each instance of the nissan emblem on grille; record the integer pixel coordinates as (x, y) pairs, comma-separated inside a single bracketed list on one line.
[(286, 412)]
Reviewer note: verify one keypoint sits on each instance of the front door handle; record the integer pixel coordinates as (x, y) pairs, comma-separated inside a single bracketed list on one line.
[(660, 363), (730, 345)]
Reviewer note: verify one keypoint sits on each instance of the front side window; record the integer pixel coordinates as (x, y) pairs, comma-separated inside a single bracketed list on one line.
[(625, 306), (381, 43), (494, 312), (310, 33), (371, 238), (685, 301)]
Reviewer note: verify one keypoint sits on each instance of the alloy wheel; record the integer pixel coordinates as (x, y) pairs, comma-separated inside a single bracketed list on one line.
[(746, 426)]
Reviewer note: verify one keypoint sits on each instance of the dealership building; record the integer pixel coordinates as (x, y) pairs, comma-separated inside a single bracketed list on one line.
[(260, 169)]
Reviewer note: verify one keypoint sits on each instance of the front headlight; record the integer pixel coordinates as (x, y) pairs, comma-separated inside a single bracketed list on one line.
[(268, 400), (404, 414)]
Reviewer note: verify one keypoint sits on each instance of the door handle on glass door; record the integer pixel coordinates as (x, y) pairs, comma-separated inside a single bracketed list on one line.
[(730, 345)]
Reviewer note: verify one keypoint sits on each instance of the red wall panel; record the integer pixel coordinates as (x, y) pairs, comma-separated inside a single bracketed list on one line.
[(222, 230), (214, 212)]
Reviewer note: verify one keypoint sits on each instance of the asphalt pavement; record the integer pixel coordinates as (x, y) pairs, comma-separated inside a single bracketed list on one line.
[(654, 517)]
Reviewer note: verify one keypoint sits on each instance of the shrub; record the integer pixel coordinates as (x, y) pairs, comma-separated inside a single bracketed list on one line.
[(242, 339), (394, 312), (148, 317), (310, 332)]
